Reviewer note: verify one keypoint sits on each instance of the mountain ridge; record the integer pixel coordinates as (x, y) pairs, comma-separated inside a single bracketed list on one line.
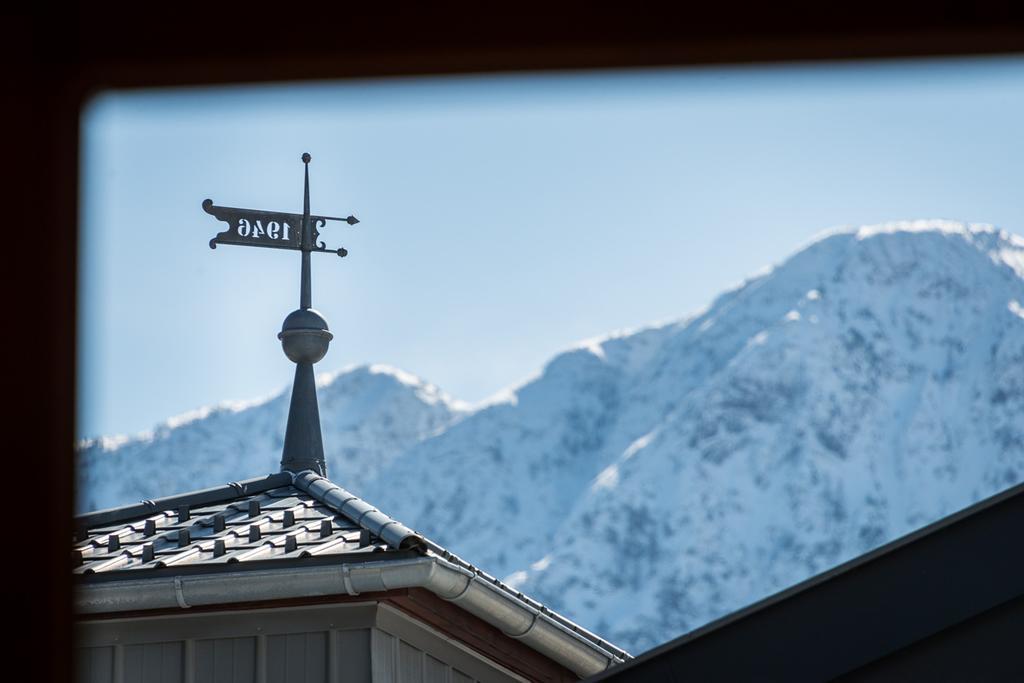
[(648, 481)]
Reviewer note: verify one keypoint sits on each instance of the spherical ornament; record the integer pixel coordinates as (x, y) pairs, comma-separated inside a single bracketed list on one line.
[(304, 336)]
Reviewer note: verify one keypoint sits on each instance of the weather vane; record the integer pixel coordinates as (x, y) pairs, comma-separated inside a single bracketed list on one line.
[(304, 334)]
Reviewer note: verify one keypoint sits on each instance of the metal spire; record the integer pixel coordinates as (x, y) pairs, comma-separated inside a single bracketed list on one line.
[(305, 338), (304, 335)]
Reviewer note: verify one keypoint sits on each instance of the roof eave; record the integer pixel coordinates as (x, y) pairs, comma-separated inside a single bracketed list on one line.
[(514, 617)]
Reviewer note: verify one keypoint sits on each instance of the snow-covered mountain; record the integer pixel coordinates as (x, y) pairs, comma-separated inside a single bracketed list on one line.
[(368, 415), (646, 483)]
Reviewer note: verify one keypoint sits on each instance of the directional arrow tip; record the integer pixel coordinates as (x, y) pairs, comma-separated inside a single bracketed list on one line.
[(351, 220)]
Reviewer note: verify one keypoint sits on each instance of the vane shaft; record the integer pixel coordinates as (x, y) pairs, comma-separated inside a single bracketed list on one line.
[(306, 292)]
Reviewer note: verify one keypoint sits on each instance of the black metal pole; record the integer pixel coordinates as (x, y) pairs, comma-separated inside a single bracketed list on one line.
[(306, 293)]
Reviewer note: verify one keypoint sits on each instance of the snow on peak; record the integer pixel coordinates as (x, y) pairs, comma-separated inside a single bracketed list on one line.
[(936, 225), (594, 347), (114, 442), (427, 392), (424, 391), (107, 443), (235, 406), (1016, 308)]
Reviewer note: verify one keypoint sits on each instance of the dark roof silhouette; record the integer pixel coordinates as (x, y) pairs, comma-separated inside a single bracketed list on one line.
[(943, 603)]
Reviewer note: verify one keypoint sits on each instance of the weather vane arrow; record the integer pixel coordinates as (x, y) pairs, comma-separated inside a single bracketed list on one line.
[(304, 335)]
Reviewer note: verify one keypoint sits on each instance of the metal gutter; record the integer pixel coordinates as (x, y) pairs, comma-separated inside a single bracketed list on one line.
[(536, 628), (216, 494), (401, 537)]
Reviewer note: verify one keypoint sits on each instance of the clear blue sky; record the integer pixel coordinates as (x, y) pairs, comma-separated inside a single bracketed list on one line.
[(503, 217)]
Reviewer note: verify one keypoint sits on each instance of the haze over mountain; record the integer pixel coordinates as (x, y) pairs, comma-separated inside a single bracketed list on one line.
[(648, 482)]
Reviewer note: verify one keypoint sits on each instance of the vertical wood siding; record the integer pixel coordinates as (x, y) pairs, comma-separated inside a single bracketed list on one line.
[(153, 663), (396, 661), (95, 664), (225, 660), (267, 648), (297, 658)]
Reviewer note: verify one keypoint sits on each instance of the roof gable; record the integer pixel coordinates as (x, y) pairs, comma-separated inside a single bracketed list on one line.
[(292, 535)]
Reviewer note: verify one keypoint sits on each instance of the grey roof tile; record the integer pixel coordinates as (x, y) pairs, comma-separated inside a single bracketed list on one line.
[(248, 527)]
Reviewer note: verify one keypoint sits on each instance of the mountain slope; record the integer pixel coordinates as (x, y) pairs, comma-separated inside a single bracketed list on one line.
[(369, 415), (649, 482)]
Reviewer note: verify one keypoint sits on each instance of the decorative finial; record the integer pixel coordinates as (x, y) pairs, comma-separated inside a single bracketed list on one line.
[(304, 335)]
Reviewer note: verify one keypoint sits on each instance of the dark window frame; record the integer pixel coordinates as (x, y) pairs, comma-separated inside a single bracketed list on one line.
[(56, 61)]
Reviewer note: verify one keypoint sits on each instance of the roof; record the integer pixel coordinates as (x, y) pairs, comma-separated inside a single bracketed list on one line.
[(260, 519), (189, 549), (931, 601)]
